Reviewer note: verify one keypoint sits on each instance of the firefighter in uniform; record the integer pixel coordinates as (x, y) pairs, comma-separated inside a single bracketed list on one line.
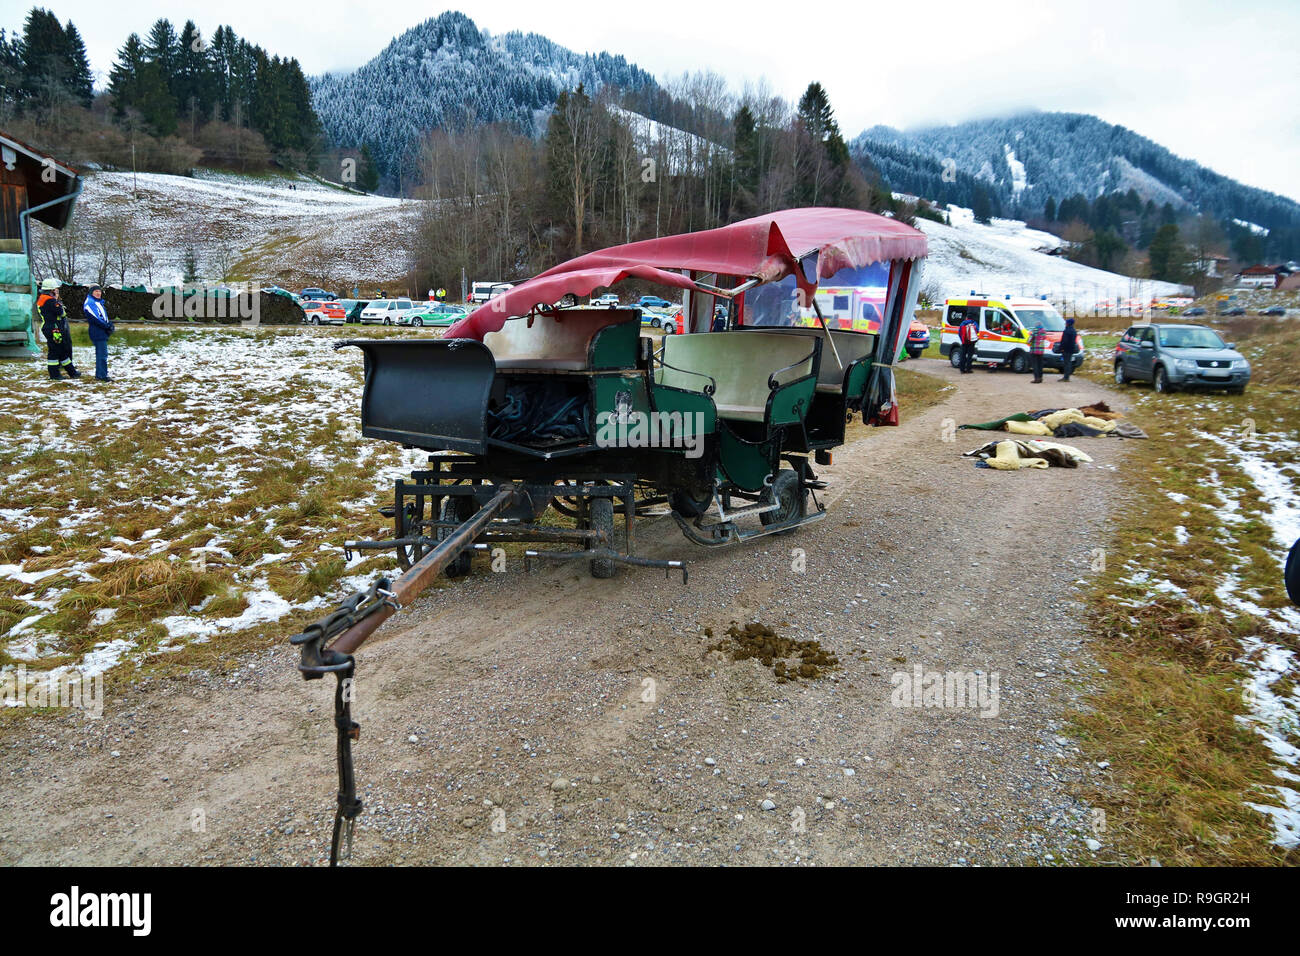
[(54, 326)]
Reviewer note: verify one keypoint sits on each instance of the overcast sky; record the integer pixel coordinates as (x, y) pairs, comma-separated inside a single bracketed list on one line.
[(1215, 82)]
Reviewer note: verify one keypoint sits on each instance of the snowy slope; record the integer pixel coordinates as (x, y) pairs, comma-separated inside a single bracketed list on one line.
[(1006, 256), (290, 230)]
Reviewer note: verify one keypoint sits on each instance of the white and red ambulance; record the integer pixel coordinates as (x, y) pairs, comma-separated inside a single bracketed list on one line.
[(1005, 325)]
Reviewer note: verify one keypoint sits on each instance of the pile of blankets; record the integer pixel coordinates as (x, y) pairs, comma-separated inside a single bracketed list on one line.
[(1027, 453), (1090, 421)]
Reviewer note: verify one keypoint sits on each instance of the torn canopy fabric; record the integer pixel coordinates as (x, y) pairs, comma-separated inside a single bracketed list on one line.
[(767, 248)]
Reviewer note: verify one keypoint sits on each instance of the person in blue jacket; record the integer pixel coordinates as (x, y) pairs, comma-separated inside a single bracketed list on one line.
[(100, 328)]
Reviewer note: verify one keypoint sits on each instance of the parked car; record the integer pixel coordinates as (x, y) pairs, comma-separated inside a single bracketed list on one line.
[(437, 313), (657, 318), (654, 302), (609, 299), (1275, 311), (1180, 356), (1194, 311), (323, 313), (1235, 310), (352, 309), (386, 311), (481, 292), (918, 338), (316, 294)]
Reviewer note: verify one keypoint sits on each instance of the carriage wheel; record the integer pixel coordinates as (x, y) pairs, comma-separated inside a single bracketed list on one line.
[(686, 506), (602, 519), (457, 509), (789, 494)]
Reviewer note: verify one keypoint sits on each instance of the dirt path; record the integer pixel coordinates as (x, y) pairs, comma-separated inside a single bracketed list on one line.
[(497, 687)]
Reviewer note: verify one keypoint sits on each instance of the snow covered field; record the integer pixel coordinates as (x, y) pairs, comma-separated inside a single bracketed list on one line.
[(286, 229), (203, 494), (1006, 256)]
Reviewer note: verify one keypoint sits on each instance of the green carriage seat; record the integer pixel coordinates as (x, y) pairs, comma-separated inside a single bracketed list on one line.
[(762, 389)]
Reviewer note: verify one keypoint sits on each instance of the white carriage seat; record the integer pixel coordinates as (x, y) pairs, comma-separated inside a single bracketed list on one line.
[(851, 345), (561, 342), (739, 362)]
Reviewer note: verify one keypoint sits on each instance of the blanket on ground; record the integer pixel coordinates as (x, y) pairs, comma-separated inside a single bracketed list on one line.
[(1053, 453), (999, 423)]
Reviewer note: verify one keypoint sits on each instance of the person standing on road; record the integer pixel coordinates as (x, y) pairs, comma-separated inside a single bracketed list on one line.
[(1037, 350), (1069, 345), (968, 332), (100, 327), (54, 326)]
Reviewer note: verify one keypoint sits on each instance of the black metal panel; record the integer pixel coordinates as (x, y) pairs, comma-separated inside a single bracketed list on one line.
[(428, 393)]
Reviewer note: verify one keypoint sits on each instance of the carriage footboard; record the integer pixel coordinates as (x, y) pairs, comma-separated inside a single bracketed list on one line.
[(427, 393)]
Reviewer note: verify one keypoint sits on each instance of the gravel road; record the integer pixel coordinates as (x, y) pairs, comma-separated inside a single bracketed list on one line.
[(548, 717)]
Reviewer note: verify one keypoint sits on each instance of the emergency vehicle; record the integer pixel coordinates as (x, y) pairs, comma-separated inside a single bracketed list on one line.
[(1005, 324), (847, 307)]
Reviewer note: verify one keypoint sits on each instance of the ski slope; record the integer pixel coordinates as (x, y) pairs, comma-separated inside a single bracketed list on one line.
[(1007, 257), (287, 229)]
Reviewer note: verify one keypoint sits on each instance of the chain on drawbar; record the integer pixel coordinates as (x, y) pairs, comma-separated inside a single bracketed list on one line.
[(318, 660), (348, 730)]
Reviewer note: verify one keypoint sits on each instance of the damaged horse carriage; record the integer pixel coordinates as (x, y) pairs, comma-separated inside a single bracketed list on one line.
[(532, 404)]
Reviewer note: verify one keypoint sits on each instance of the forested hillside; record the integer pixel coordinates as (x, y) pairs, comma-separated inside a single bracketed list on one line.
[(447, 74), (1026, 160)]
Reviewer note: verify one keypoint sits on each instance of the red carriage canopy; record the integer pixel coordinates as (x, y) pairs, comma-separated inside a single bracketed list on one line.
[(767, 248)]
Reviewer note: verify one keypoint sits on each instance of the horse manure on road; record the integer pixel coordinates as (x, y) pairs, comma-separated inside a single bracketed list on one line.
[(789, 659)]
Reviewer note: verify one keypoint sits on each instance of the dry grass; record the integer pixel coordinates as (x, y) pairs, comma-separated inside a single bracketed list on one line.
[(168, 497), (1166, 708)]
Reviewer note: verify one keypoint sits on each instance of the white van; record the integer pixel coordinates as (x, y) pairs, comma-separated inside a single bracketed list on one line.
[(386, 311), (483, 291), (1004, 326)]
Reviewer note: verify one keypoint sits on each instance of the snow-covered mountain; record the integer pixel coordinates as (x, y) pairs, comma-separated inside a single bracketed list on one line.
[(447, 73), (1027, 158)]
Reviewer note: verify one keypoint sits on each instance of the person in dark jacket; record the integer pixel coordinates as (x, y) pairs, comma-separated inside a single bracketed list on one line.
[(54, 326), (968, 332), (1291, 576), (1069, 345), (719, 320), (100, 327)]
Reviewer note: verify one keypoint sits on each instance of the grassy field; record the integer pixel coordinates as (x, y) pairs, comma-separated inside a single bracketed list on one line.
[(205, 491), (1196, 703)]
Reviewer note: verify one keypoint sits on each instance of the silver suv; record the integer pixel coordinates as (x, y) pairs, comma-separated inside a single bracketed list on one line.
[(1180, 356)]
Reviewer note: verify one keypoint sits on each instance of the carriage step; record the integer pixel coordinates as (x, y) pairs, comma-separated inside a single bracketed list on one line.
[(758, 509)]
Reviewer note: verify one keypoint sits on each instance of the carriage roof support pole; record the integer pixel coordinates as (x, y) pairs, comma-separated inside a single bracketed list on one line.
[(822, 319), (423, 572)]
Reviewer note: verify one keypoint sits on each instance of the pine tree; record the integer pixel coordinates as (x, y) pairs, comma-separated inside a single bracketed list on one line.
[(161, 50), (367, 172), (80, 83), (46, 66), (124, 79), (193, 85), (1049, 210), (1167, 255)]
